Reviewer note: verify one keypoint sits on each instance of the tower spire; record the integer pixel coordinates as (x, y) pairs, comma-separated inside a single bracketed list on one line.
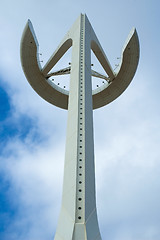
[(78, 214)]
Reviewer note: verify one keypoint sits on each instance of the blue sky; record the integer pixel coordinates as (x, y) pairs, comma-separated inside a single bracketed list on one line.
[(126, 132)]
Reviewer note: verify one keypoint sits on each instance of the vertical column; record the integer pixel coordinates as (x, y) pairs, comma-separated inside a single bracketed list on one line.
[(80, 189), (78, 219)]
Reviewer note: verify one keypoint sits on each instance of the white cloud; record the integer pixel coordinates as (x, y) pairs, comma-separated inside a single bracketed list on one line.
[(126, 131), (35, 177)]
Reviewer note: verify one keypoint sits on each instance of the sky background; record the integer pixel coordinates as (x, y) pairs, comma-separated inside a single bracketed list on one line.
[(126, 132)]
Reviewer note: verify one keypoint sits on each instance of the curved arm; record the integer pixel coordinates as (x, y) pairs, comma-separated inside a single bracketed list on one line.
[(130, 57), (32, 69)]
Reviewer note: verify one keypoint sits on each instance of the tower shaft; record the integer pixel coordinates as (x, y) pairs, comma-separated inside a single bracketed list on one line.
[(78, 216)]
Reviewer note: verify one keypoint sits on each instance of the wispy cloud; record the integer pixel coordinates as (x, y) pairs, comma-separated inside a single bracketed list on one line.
[(126, 131)]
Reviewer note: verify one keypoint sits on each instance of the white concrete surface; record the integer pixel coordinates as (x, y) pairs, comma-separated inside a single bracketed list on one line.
[(78, 215)]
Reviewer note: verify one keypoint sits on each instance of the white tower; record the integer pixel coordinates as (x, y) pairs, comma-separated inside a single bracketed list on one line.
[(78, 215)]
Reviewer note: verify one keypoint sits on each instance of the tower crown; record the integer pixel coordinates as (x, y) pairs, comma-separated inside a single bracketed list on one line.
[(114, 85)]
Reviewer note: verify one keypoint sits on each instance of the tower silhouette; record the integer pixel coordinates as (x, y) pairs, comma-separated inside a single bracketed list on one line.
[(78, 215)]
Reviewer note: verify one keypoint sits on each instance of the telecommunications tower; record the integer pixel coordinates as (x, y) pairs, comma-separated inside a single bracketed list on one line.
[(78, 215)]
